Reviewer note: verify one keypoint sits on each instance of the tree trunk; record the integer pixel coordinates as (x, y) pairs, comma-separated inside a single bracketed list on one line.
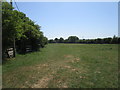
[(14, 51)]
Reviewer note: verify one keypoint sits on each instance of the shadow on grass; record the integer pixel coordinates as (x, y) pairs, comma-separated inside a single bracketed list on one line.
[(6, 60)]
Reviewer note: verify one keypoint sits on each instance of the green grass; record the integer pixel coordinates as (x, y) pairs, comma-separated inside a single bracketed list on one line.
[(64, 66)]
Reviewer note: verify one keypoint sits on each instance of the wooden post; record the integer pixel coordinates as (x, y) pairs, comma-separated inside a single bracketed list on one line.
[(14, 51)]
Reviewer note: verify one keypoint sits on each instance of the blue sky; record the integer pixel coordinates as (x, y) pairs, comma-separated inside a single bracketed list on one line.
[(82, 19)]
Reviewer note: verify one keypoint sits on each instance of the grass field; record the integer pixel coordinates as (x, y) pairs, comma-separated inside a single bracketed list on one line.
[(64, 66)]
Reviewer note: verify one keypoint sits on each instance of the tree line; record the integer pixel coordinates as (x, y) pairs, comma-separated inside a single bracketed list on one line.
[(75, 39), (20, 30)]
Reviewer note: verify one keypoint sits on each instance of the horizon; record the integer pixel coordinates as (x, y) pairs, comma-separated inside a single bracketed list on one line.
[(83, 38)]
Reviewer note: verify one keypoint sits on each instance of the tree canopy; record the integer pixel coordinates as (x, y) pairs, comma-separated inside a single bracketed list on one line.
[(16, 25)]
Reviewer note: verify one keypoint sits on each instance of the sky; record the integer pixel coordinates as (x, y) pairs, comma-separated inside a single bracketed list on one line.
[(82, 19)]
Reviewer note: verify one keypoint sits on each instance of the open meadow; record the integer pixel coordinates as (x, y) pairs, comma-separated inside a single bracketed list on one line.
[(64, 66)]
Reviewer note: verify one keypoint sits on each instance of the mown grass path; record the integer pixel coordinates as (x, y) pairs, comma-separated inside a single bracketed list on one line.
[(64, 66)]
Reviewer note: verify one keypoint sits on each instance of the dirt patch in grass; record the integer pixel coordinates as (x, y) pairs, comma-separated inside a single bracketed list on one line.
[(42, 65), (71, 58), (43, 82), (68, 56), (67, 67), (72, 69), (77, 59), (64, 85), (60, 84), (74, 60)]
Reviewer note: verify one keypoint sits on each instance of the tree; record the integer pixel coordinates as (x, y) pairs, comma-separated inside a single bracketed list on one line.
[(56, 40), (98, 41), (118, 40), (18, 27), (114, 40), (51, 41), (11, 26), (73, 39), (61, 40), (107, 40), (32, 37)]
